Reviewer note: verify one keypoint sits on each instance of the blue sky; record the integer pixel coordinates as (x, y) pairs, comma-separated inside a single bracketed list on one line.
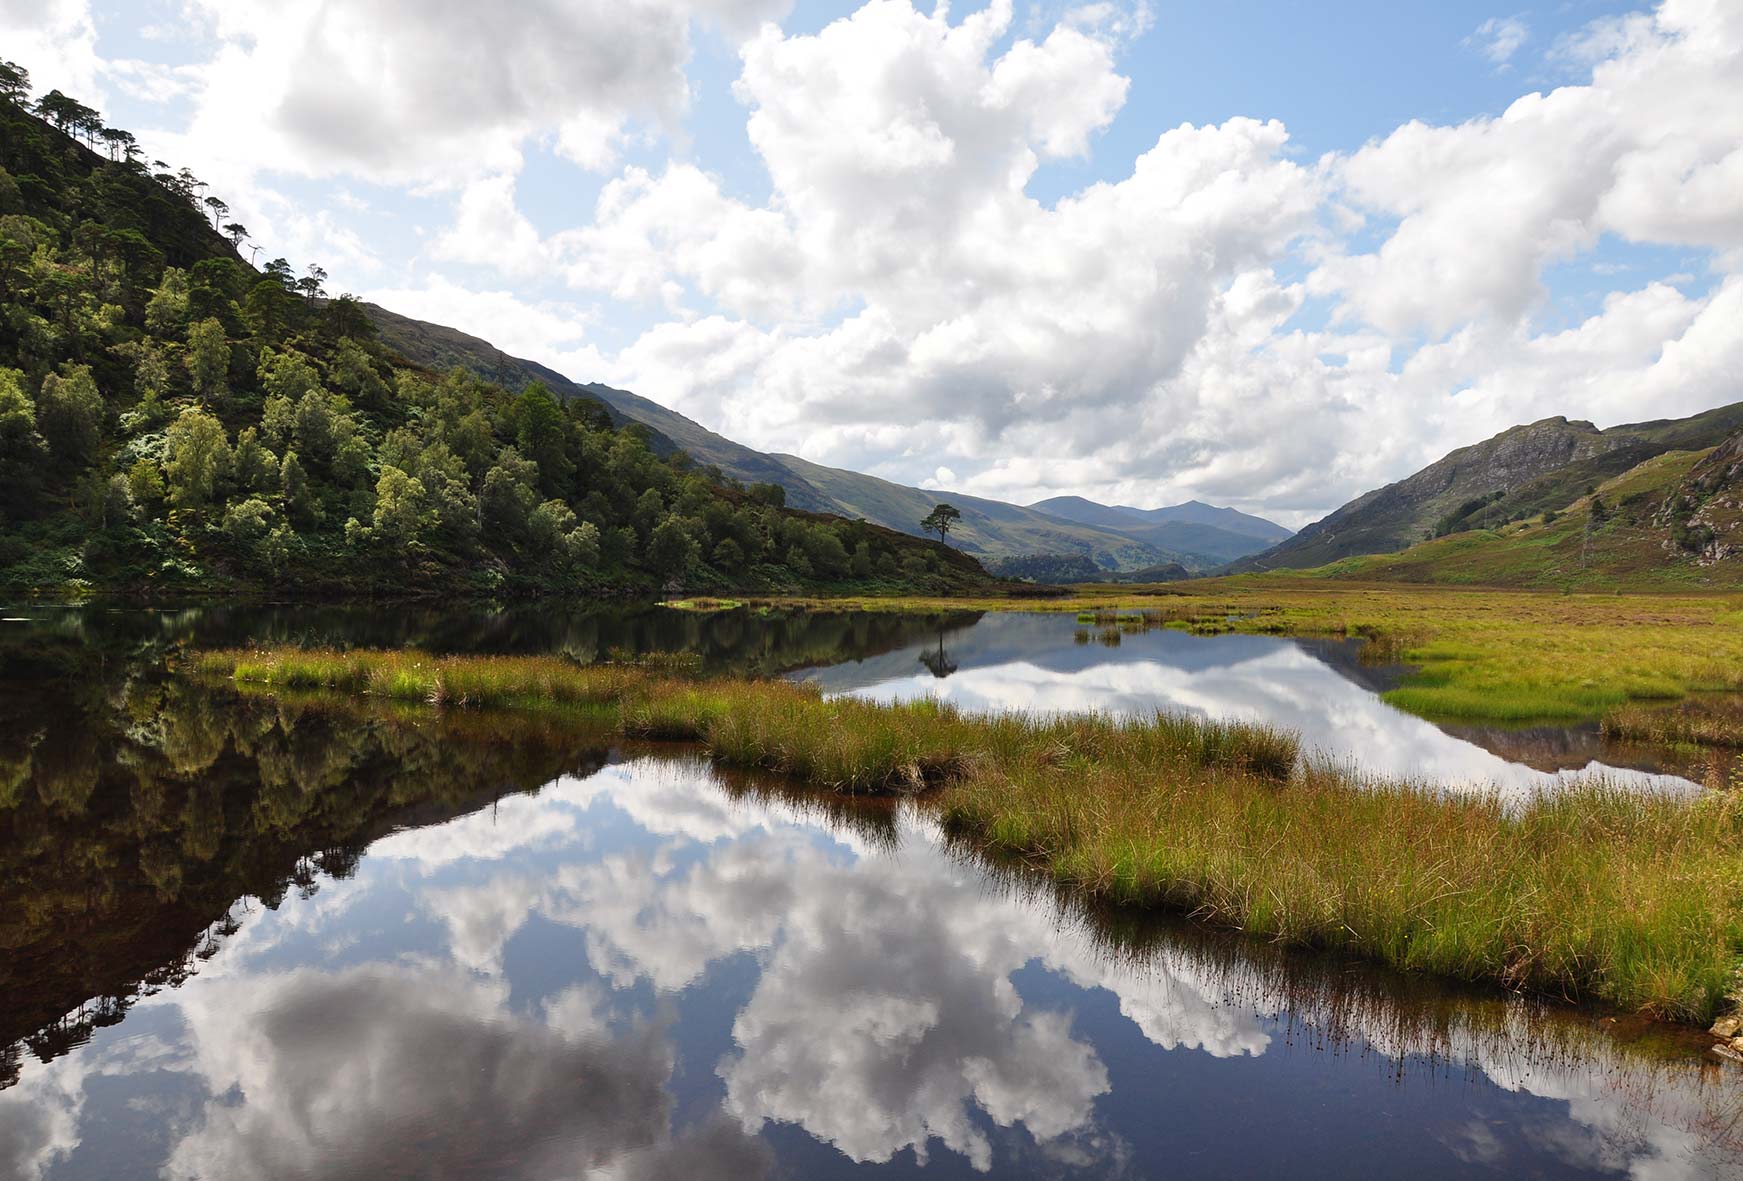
[(1261, 253)]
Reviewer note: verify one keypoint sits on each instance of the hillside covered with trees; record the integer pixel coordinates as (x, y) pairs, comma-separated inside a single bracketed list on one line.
[(173, 418)]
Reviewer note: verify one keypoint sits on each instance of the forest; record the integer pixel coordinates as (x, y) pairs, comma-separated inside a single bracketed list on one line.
[(174, 418)]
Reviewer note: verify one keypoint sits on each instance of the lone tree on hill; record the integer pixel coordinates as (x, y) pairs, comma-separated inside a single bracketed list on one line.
[(940, 519)]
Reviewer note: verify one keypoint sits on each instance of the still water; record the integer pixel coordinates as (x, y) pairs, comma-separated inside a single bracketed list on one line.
[(1321, 689), (246, 938)]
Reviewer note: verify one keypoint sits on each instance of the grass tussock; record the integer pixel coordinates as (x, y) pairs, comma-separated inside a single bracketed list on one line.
[(1696, 722), (1595, 892)]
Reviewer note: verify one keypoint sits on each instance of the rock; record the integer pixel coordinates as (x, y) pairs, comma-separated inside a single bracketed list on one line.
[(1728, 1026)]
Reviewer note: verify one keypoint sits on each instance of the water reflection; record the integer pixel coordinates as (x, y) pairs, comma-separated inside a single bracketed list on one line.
[(764, 640), (476, 947), (1321, 689)]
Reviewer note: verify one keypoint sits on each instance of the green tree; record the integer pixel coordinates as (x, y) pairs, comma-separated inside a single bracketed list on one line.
[(286, 375), (650, 510), (504, 503), (583, 545), (827, 555), (299, 498), (199, 456), (69, 413), (248, 522), (351, 462), (14, 83), (729, 555), (541, 434), (278, 420), (22, 450), (671, 549), (861, 565), (254, 467), (314, 427), (940, 520), (401, 511), (145, 481), (167, 310), (548, 525), (353, 371), (209, 359)]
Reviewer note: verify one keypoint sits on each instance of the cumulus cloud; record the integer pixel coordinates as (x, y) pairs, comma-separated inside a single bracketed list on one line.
[(1134, 341), (413, 91), (56, 40), (1220, 318)]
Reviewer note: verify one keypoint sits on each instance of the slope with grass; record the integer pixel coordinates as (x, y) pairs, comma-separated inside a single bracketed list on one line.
[(1592, 892), (1670, 521), (1520, 472)]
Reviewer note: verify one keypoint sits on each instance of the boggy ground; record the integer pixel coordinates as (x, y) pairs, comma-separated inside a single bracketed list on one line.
[(1481, 654), (1594, 892)]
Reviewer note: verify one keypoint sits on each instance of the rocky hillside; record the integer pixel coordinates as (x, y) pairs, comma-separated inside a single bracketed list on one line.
[(1674, 520), (1519, 473)]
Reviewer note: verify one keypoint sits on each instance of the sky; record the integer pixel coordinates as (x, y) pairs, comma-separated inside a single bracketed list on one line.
[(1259, 253)]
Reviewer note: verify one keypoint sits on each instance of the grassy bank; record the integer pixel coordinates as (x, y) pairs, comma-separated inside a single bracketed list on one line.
[(1594, 893)]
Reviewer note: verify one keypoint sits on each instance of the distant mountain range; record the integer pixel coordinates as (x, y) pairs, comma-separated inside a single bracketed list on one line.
[(1517, 474), (1197, 530), (1195, 536)]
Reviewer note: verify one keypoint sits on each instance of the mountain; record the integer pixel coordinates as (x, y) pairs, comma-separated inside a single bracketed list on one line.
[(1202, 534), (1674, 520), (989, 528), (1192, 512), (1520, 472)]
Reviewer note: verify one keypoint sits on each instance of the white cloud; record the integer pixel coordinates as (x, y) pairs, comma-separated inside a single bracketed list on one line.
[(1220, 320), (413, 91), (1133, 340), (1500, 37), (378, 1067), (56, 40), (553, 334)]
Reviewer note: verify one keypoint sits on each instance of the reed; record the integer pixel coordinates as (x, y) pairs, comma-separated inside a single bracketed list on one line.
[(1592, 892)]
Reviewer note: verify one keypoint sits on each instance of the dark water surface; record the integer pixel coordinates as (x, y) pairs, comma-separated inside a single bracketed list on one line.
[(247, 938)]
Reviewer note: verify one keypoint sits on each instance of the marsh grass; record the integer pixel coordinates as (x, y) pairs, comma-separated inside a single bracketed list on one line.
[(1482, 653), (1697, 722), (1590, 892), (1595, 892)]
